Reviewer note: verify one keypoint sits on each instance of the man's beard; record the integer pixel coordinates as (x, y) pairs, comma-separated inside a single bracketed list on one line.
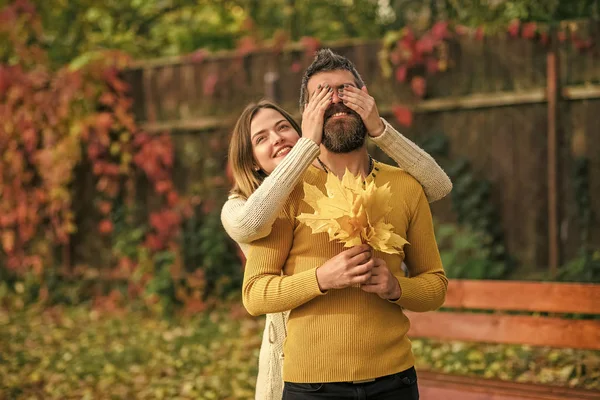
[(343, 135)]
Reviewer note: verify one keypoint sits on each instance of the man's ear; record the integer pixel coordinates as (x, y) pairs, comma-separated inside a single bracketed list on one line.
[(364, 89)]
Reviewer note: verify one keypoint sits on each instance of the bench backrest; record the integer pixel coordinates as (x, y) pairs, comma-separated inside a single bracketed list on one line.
[(502, 327)]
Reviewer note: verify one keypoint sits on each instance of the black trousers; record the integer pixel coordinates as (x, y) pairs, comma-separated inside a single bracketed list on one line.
[(400, 386)]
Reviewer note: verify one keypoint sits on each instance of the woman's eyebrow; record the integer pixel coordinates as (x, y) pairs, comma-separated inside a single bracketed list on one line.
[(264, 130)]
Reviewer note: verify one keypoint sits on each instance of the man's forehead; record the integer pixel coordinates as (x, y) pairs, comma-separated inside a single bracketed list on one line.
[(332, 78)]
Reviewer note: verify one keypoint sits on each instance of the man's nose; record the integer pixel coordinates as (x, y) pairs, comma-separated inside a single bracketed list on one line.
[(336, 96)]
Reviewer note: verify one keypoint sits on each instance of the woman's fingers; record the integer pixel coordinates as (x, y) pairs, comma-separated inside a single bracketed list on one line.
[(318, 95)]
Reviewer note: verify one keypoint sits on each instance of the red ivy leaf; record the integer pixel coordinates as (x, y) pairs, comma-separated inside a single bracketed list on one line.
[(104, 121), (432, 66), (311, 44), (105, 227), (172, 198), (105, 207), (107, 99), (197, 56), (154, 243), (296, 67), (529, 30), (396, 56), (479, 33), (562, 36), (403, 115), (418, 85), (246, 45), (163, 186), (409, 36), (513, 28), (401, 73), (425, 45), (210, 83), (440, 30)]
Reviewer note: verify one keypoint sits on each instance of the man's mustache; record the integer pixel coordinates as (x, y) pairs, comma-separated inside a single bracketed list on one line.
[(336, 108)]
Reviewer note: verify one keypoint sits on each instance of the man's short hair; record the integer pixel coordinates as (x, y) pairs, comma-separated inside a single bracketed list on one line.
[(326, 60)]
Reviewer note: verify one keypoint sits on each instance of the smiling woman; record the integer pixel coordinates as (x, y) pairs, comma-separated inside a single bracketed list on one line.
[(272, 138)]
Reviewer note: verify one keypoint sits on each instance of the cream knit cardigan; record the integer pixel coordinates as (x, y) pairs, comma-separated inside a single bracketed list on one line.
[(246, 220)]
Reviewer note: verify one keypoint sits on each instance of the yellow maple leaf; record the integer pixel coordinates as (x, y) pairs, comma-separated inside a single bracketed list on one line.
[(352, 212)]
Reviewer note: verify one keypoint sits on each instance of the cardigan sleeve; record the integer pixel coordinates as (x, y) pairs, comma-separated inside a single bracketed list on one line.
[(246, 220), (415, 161)]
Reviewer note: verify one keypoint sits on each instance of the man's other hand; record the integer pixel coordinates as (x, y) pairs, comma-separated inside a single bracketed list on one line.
[(382, 282), (350, 267)]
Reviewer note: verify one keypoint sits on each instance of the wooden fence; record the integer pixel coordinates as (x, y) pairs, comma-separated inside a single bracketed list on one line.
[(520, 111)]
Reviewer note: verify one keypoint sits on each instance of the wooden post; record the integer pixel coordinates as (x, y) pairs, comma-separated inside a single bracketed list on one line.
[(553, 217)]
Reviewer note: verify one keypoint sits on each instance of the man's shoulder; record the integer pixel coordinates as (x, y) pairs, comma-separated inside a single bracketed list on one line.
[(397, 176), (294, 200)]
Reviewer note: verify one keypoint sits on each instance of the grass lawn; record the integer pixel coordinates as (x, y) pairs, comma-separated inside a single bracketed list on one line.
[(78, 353)]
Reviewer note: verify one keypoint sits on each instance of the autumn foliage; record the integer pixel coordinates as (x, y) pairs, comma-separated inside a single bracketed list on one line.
[(412, 57), (56, 120)]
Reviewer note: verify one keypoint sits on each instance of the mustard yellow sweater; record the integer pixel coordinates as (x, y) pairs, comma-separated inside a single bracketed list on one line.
[(347, 334)]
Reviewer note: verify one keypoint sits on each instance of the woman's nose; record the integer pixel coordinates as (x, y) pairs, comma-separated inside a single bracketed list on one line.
[(276, 138)]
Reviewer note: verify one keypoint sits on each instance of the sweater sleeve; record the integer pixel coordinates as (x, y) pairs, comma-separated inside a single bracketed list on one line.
[(415, 161), (251, 219), (264, 289), (425, 289)]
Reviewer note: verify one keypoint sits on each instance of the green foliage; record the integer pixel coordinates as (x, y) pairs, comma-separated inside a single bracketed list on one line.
[(586, 266), (207, 247), (81, 353), (169, 28), (475, 248), (493, 15), (78, 352), (465, 254), (518, 363)]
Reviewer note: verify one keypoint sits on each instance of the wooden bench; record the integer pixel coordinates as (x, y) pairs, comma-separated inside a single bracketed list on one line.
[(501, 326)]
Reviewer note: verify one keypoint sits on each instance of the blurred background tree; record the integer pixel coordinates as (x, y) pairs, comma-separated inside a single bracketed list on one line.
[(174, 27)]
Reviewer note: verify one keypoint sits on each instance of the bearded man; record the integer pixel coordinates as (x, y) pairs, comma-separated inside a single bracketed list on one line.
[(347, 329)]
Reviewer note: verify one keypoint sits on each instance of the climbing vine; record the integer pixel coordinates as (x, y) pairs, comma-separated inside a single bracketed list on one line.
[(411, 57), (53, 121)]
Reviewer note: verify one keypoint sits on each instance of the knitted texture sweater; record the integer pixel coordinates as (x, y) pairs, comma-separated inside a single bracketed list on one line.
[(249, 219), (347, 334)]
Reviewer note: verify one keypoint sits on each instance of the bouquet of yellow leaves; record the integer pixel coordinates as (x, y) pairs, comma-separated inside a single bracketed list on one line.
[(352, 212)]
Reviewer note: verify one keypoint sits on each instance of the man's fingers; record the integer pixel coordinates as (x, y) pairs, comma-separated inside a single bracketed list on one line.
[(356, 250), (369, 288), (361, 257), (362, 269), (364, 89), (319, 96), (362, 279)]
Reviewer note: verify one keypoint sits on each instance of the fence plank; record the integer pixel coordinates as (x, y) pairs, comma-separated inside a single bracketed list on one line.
[(508, 329)]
